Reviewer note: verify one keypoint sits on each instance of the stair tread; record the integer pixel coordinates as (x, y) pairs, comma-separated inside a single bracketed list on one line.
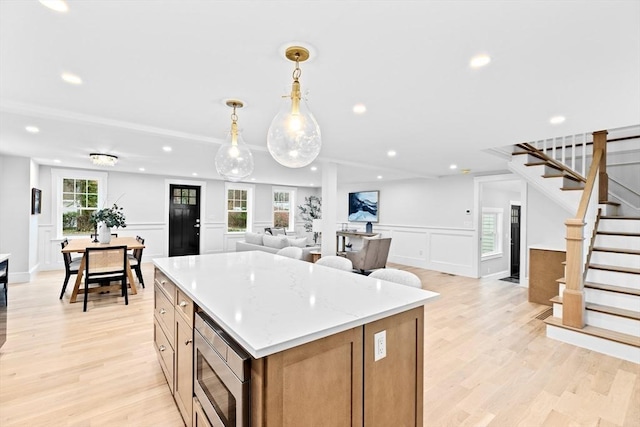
[(597, 332), (617, 233), (621, 312), (609, 202), (620, 217), (617, 250), (615, 268), (612, 288)]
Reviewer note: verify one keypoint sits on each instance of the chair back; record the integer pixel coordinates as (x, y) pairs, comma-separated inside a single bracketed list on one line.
[(66, 255), (291, 252), (106, 261), (95, 236), (397, 276), (338, 262), (137, 253)]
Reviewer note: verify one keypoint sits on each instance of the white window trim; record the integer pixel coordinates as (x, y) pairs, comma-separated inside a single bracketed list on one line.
[(250, 192), (58, 175), (499, 232), (292, 204)]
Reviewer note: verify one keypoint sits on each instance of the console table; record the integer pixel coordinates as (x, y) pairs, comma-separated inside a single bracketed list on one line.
[(345, 234)]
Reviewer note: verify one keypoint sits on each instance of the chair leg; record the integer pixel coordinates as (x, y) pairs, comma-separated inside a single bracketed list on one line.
[(86, 295), (139, 274), (64, 285), (125, 292)]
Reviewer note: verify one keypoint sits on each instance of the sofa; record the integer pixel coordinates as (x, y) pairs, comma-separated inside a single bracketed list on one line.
[(272, 244)]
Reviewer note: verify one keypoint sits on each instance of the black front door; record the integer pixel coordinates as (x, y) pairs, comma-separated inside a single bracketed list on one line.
[(515, 241), (184, 220)]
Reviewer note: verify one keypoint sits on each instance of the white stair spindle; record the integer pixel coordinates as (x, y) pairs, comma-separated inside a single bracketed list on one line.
[(573, 152), (584, 155)]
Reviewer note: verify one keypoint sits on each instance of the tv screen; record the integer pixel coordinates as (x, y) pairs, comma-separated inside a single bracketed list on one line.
[(363, 206)]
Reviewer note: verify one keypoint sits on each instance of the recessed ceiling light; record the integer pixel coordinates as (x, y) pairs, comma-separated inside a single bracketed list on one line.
[(56, 161), (71, 78), (253, 179), (314, 168), (141, 169), (479, 61), (311, 185), (453, 167), (556, 120), (465, 171), (379, 176), (195, 174), (166, 148), (57, 5), (391, 153), (32, 129), (359, 109)]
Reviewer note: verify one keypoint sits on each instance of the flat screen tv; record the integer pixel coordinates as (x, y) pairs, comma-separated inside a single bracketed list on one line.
[(363, 206)]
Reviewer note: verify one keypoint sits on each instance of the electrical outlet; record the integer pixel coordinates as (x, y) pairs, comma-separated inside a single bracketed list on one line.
[(380, 345)]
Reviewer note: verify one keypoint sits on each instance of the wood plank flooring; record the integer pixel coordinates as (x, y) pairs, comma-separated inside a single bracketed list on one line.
[(487, 362)]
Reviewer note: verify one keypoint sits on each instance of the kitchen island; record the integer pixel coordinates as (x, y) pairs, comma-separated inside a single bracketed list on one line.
[(310, 332)]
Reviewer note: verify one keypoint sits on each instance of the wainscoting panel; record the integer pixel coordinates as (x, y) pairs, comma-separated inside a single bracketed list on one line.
[(451, 251), (213, 237), (408, 246)]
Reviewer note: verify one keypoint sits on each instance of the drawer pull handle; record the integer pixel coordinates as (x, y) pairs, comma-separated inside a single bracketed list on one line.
[(164, 282), (163, 311), (183, 303), (187, 342), (162, 348)]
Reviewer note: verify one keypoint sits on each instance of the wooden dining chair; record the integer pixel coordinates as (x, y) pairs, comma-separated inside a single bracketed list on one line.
[(135, 260), (106, 264), (94, 235), (71, 266)]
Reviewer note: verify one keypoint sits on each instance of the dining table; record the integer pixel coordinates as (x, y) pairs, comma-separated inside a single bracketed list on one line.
[(81, 245)]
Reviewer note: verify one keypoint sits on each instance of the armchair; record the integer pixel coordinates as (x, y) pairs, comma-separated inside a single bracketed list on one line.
[(373, 254)]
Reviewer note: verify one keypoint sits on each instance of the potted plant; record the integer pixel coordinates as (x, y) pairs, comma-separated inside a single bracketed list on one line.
[(105, 219), (311, 209)]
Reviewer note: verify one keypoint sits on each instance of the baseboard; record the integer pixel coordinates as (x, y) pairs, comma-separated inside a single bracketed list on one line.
[(498, 275)]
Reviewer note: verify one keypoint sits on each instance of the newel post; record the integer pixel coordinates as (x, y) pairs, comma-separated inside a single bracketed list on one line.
[(573, 296), (600, 143)]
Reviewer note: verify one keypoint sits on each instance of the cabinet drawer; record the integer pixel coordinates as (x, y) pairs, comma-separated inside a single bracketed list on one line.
[(163, 283), (164, 313), (184, 306), (165, 353)]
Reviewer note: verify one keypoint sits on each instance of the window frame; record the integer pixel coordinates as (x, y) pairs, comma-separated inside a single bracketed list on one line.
[(498, 214), (292, 205), (250, 193), (57, 178)]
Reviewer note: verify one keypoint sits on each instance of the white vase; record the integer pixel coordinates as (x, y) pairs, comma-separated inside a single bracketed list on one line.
[(104, 233)]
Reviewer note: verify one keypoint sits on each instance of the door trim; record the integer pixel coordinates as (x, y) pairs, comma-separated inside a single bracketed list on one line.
[(203, 190)]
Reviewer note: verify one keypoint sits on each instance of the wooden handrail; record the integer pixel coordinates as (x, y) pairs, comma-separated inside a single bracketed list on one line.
[(588, 189), (553, 162)]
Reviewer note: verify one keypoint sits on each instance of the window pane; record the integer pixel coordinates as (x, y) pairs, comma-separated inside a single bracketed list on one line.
[(68, 185), (237, 221), (92, 187), (79, 200), (176, 192), (81, 185), (176, 200), (192, 200)]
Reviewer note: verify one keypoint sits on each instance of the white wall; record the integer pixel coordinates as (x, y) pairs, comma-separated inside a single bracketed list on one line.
[(16, 222), (427, 220)]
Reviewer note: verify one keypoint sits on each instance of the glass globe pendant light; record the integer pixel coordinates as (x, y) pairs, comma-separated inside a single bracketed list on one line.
[(294, 135), (234, 160)]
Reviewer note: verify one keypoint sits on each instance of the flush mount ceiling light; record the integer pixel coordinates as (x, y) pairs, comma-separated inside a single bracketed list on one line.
[(100, 159), (294, 135), (234, 160)]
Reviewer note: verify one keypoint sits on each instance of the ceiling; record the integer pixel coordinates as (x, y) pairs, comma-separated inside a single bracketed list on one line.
[(157, 74)]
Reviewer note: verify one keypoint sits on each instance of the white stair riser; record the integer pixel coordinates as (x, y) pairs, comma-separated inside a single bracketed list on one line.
[(620, 225), (612, 348), (616, 259), (618, 242), (612, 299), (615, 278), (608, 209), (607, 321)]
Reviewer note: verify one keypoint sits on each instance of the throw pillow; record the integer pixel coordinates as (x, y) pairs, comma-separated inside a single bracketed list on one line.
[(298, 243), (277, 231), (276, 242), (253, 238)]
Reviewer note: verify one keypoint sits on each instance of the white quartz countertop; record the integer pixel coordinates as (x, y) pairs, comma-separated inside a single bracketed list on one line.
[(4, 257), (269, 303)]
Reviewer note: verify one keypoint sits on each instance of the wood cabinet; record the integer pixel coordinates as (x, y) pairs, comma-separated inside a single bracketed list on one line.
[(173, 336), (199, 417), (335, 381), (546, 266)]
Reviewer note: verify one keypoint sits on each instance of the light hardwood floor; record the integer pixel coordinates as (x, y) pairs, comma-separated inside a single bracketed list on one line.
[(487, 362)]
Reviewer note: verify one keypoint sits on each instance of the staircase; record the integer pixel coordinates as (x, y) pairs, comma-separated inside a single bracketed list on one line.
[(612, 268)]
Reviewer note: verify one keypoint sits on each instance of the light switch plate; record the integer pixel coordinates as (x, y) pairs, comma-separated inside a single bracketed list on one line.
[(379, 345)]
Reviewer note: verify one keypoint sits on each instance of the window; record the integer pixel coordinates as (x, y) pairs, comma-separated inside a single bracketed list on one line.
[(77, 195), (491, 232), (239, 209), (283, 203)]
